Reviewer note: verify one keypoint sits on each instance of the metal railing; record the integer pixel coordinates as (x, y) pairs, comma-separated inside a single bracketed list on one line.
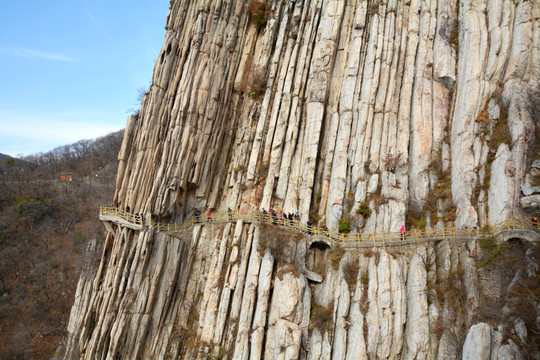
[(373, 239)]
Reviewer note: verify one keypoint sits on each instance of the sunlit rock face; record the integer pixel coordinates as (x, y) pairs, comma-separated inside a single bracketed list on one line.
[(412, 109)]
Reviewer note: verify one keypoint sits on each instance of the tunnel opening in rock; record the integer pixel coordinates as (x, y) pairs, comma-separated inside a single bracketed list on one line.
[(515, 241), (319, 245)]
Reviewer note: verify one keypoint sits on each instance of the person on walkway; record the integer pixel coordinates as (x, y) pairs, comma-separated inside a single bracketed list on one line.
[(290, 217), (296, 217), (229, 212), (197, 216), (309, 226), (534, 222), (281, 217), (274, 216), (208, 216), (402, 232)]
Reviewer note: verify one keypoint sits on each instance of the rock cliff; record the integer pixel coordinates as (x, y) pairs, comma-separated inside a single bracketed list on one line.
[(417, 112)]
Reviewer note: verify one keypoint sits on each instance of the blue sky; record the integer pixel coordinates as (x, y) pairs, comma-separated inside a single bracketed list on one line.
[(71, 69)]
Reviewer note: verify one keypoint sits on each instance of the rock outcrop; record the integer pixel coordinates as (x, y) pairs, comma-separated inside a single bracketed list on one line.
[(330, 105), (237, 291), (368, 114)]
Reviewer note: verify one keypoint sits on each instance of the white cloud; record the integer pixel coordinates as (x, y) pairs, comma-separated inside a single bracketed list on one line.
[(29, 53)]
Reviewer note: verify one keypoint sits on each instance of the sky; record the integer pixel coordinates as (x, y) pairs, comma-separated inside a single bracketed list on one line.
[(72, 69)]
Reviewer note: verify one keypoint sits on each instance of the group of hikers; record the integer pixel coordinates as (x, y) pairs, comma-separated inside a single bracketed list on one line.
[(272, 213), (282, 217)]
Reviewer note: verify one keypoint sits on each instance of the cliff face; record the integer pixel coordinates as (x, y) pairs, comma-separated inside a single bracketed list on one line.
[(331, 105), (422, 111)]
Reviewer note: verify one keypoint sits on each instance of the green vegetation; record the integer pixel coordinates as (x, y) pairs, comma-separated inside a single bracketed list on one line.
[(345, 225), (364, 210), (454, 36), (414, 221), (492, 251), (9, 161)]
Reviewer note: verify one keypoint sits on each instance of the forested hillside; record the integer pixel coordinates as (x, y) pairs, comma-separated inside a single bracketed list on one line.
[(46, 224)]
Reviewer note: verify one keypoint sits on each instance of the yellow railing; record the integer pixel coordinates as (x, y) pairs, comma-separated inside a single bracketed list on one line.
[(135, 219), (373, 239)]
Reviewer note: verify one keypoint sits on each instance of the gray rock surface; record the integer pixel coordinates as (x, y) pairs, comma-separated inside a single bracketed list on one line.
[(328, 106), (478, 343)]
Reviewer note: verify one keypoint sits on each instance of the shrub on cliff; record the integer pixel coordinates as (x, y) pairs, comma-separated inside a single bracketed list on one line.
[(254, 84), (364, 210), (345, 226), (259, 11)]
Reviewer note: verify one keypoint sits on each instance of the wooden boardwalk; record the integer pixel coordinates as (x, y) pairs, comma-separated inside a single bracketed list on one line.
[(512, 228)]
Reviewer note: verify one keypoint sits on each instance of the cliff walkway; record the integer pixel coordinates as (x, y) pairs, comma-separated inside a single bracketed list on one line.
[(509, 229)]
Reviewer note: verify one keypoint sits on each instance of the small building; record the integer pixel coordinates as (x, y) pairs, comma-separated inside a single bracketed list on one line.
[(66, 176)]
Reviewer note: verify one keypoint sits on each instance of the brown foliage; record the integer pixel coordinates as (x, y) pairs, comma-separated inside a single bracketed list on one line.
[(254, 84), (506, 262), (374, 8), (322, 317), (45, 226), (259, 11), (350, 273), (393, 161)]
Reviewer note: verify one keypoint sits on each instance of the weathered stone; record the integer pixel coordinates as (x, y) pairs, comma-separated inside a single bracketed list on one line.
[(478, 343), (501, 186), (417, 328), (326, 106)]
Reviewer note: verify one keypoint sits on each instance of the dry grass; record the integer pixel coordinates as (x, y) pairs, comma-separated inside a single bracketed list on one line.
[(350, 273), (374, 8), (254, 83), (483, 117), (321, 317), (506, 261), (394, 161), (335, 255)]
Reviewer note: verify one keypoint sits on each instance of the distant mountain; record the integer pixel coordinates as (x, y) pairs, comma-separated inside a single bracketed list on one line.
[(17, 164), (4, 157)]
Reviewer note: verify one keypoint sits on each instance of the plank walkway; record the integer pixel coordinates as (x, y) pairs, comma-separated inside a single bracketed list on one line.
[(512, 228)]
